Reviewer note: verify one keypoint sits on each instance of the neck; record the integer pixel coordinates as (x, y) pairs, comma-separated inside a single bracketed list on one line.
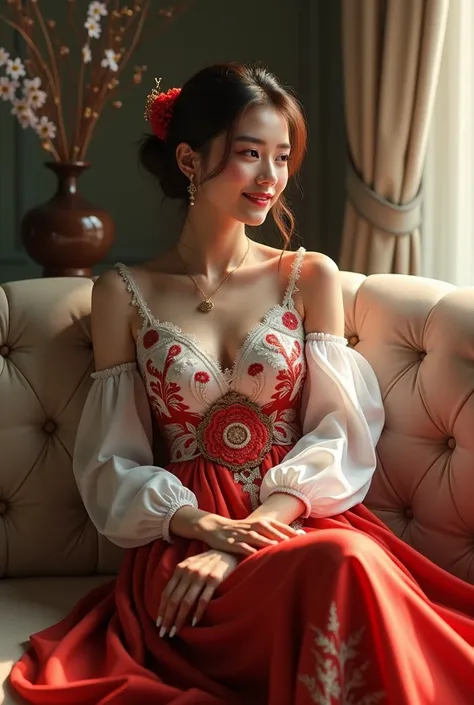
[(212, 246)]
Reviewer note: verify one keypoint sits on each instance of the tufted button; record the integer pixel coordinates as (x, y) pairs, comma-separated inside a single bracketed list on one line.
[(408, 513), (49, 426), (422, 355), (451, 442), (4, 351), (3, 507), (353, 340)]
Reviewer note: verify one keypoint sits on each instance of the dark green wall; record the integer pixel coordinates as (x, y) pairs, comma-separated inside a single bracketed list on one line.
[(297, 39)]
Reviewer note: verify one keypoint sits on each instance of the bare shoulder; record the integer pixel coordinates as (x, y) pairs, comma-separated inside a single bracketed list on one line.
[(111, 321), (109, 292), (321, 294)]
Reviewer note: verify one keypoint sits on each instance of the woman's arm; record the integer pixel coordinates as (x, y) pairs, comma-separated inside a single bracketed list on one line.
[(321, 298)]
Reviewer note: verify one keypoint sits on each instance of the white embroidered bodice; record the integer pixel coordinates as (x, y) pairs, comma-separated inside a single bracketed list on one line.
[(183, 379)]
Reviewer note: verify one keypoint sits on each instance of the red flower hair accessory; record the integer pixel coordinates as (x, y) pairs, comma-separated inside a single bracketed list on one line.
[(159, 109)]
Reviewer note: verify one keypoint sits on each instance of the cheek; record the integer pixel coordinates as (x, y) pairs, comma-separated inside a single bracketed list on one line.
[(235, 172), (283, 179)]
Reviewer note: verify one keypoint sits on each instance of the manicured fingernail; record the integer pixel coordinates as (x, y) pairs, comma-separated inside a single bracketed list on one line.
[(172, 631), (159, 621), (300, 531), (194, 622), (162, 632)]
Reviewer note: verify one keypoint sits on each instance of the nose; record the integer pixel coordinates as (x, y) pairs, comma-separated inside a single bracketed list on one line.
[(268, 174)]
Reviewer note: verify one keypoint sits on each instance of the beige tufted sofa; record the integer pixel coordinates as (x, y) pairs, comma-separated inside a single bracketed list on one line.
[(418, 334)]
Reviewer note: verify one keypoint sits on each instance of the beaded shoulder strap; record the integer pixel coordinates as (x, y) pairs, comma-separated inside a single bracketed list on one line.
[(136, 295), (294, 276)]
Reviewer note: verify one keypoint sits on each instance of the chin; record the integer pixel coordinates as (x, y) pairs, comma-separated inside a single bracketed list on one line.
[(250, 219)]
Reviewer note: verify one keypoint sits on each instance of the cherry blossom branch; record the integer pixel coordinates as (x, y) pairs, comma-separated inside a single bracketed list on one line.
[(103, 93), (54, 66)]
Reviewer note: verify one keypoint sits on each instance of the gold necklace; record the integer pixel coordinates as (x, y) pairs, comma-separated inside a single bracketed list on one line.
[(206, 305)]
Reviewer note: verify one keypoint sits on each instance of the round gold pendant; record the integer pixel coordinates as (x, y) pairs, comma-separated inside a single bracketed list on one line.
[(206, 306)]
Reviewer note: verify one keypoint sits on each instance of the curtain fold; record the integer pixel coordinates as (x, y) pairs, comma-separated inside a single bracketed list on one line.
[(391, 57)]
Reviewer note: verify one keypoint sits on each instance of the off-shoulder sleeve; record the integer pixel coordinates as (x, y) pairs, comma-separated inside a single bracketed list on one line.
[(128, 498), (330, 468)]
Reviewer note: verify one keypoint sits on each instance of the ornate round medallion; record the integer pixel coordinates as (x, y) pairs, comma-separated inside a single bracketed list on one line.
[(236, 435), (235, 432), (206, 306)]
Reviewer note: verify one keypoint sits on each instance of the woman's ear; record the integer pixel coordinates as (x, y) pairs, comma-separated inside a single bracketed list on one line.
[(188, 160)]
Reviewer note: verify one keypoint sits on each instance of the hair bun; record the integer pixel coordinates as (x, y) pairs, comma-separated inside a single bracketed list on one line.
[(152, 155)]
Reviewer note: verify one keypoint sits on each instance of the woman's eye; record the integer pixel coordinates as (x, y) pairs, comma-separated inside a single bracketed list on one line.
[(284, 157), (251, 153)]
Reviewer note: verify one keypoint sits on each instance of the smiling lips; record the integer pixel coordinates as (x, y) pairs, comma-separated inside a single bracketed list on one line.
[(259, 199)]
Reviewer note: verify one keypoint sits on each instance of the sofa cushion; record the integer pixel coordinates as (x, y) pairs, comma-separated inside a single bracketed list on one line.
[(27, 606)]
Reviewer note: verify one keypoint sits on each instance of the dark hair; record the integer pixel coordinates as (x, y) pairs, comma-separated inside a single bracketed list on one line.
[(209, 104)]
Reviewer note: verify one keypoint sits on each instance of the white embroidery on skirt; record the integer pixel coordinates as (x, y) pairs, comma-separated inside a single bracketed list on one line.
[(336, 678)]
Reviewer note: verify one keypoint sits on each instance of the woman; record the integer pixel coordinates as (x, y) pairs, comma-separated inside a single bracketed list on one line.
[(221, 598)]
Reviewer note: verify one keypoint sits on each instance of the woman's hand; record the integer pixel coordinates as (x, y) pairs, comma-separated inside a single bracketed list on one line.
[(191, 588), (241, 536), (244, 536)]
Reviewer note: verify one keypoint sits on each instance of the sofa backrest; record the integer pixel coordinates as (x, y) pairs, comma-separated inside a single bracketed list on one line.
[(418, 334)]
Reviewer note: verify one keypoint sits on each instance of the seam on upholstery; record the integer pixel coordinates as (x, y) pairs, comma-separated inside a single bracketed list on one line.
[(69, 455), (356, 300), (425, 473), (449, 474), (380, 466), (428, 319), (74, 392), (40, 454), (425, 406), (463, 404)]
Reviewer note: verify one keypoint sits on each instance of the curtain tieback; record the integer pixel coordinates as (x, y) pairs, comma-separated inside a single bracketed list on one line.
[(382, 214)]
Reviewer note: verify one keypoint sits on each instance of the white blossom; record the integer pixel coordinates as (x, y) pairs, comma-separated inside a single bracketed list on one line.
[(86, 53), (93, 28), (8, 88), (109, 60), (96, 10), (31, 84), (37, 98), (27, 119), (46, 129), (4, 56), (24, 113), (15, 68)]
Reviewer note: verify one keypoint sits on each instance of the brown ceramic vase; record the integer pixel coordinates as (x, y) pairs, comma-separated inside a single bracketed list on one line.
[(67, 235)]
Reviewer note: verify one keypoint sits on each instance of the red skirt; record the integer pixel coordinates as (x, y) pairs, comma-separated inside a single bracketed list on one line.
[(348, 613)]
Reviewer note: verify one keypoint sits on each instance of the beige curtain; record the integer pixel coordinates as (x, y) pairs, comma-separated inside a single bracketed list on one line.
[(391, 58)]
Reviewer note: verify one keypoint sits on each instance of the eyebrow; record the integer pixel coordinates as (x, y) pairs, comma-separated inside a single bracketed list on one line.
[(257, 140)]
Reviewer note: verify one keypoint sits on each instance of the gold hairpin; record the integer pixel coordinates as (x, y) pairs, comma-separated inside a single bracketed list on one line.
[(150, 99)]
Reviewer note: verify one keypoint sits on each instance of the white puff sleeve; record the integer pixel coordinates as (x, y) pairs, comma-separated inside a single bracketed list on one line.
[(129, 500), (330, 468)]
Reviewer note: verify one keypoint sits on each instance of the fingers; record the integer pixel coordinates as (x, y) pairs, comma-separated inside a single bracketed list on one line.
[(177, 587), (187, 604), (279, 528), (205, 599)]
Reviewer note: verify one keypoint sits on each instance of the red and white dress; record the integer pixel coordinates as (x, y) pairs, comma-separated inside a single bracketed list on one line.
[(346, 614)]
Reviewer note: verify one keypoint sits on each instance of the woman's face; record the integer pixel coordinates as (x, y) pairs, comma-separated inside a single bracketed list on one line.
[(257, 169)]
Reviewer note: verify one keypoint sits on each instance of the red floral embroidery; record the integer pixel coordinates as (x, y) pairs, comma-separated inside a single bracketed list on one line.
[(173, 351), (202, 377), (150, 338), (273, 340), (289, 320), (255, 434), (255, 369)]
